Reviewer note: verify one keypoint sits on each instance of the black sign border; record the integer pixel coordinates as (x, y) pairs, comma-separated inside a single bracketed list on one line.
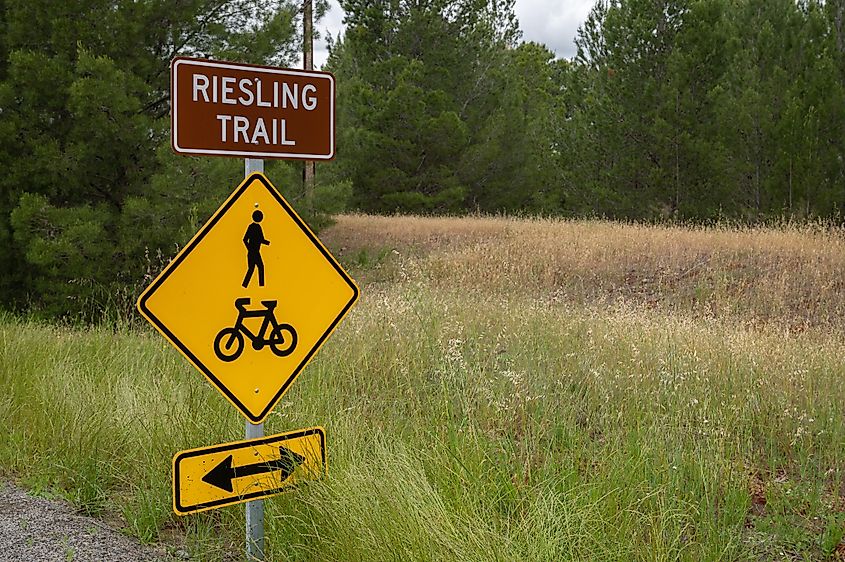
[(185, 510), (171, 267)]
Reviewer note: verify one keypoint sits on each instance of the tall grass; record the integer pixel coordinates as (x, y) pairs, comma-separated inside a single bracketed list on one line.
[(472, 416), (790, 275)]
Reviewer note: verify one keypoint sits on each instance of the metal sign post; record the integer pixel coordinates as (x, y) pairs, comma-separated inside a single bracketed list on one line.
[(305, 294), (254, 509)]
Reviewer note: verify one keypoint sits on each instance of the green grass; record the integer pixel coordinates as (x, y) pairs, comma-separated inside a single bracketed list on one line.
[(485, 402), (462, 426)]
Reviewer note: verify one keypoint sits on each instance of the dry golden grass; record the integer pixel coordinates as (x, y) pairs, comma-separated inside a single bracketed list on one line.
[(504, 390), (788, 276)]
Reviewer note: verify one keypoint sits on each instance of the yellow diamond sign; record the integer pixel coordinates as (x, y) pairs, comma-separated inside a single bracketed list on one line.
[(251, 298)]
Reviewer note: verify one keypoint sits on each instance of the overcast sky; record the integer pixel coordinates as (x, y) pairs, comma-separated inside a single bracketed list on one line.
[(551, 22)]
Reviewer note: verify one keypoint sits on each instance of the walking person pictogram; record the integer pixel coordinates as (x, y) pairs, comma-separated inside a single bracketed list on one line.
[(253, 240)]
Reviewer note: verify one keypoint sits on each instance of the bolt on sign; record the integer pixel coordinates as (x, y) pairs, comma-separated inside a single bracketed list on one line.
[(240, 471), (251, 298), (228, 109)]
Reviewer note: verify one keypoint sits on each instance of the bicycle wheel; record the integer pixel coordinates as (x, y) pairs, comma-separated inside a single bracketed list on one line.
[(283, 340), (231, 348)]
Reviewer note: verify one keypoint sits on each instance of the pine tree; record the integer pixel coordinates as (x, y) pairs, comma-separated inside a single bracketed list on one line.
[(84, 92)]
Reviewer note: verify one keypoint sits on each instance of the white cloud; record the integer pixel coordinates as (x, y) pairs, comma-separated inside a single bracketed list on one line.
[(551, 22), (331, 23)]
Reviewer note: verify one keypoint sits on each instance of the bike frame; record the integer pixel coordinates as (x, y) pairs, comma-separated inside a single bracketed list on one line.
[(269, 318)]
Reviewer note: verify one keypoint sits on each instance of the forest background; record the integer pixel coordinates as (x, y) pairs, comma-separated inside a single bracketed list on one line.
[(672, 110)]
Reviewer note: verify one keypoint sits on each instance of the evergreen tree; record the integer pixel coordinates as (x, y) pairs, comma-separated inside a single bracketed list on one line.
[(419, 84), (84, 98), (627, 45)]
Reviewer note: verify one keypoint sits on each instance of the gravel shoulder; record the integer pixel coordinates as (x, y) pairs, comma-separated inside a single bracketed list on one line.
[(33, 528)]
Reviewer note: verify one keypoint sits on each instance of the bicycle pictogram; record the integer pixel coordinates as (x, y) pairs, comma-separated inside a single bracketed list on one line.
[(229, 343)]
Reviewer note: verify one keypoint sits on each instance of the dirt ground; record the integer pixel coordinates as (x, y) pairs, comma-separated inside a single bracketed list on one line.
[(33, 528)]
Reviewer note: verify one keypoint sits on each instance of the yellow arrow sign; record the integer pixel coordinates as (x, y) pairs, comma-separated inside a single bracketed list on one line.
[(211, 477), (251, 298)]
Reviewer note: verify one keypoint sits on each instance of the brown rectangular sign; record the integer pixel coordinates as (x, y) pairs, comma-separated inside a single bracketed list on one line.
[(245, 110)]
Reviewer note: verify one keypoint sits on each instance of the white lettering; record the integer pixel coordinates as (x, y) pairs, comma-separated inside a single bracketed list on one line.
[(227, 83), (248, 97), (223, 120), (201, 87), (290, 96), (261, 103), (240, 126), (260, 130), (285, 141), (214, 89), (309, 103)]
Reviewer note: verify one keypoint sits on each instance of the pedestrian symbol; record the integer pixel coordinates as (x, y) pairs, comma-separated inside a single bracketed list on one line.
[(253, 240), (250, 331)]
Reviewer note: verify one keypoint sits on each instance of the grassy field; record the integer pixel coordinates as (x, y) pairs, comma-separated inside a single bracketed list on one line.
[(505, 390)]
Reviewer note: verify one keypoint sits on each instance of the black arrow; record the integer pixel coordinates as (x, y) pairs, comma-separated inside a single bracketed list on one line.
[(223, 474)]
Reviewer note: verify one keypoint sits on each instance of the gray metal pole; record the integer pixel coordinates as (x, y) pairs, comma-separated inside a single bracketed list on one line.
[(253, 165), (255, 508), (255, 511)]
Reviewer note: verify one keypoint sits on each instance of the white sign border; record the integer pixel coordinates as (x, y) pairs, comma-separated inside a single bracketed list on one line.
[(249, 68)]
